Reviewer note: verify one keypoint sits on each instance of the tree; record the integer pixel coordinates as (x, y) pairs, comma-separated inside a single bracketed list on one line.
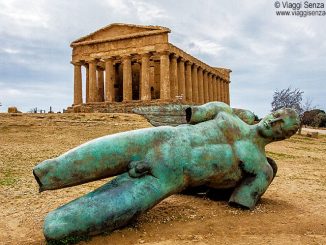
[(309, 117), (319, 120), (291, 98), (288, 98)]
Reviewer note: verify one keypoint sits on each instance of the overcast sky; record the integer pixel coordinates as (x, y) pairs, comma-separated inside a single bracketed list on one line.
[(265, 52)]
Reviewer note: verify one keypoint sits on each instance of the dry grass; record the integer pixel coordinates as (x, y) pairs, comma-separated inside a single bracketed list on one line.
[(292, 211)]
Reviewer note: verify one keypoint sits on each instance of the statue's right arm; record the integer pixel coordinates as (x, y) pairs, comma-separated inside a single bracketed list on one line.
[(208, 111), (245, 115)]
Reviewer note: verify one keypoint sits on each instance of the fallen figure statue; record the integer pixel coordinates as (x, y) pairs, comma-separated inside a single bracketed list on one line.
[(215, 149)]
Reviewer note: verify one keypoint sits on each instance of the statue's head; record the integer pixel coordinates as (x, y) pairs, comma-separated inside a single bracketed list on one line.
[(279, 125)]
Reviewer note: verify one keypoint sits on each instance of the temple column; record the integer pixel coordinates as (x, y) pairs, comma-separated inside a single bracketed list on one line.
[(194, 77), (181, 78), (78, 87), (205, 77), (174, 76), (92, 81), (221, 84), (127, 78), (87, 81), (200, 86), (165, 76), (214, 84), (100, 85), (188, 82), (228, 92), (109, 80), (210, 87), (145, 89), (224, 89)]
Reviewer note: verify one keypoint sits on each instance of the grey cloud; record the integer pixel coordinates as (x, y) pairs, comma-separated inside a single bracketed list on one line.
[(264, 51)]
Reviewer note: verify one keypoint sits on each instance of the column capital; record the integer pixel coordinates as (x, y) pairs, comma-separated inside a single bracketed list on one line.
[(108, 58), (126, 56), (181, 59), (194, 65), (174, 56), (145, 55), (76, 62), (93, 61), (163, 52), (188, 63)]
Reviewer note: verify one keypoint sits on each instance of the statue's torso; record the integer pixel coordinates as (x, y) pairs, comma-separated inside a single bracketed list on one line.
[(211, 153)]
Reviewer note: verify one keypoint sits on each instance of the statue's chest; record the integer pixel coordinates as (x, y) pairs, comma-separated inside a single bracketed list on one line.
[(218, 164), (212, 161)]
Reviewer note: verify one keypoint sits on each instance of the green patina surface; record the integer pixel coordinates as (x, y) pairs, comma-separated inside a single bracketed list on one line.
[(215, 149)]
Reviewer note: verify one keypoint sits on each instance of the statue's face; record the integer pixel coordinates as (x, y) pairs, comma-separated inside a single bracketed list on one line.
[(279, 125)]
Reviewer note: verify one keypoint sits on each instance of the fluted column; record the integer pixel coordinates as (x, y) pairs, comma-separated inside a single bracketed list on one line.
[(224, 91), (228, 92), (181, 78), (174, 76), (218, 89), (145, 89), (214, 85), (221, 88), (165, 75), (78, 89), (205, 77), (87, 81), (92, 81), (194, 77), (109, 80), (188, 81), (200, 86), (100, 84), (127, 78), (210, 87)]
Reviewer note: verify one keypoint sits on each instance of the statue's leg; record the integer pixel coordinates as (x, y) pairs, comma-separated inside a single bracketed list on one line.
[(111, 206), (100, 158), (252, 187)]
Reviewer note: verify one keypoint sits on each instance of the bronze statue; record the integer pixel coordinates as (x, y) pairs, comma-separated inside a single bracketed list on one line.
[(215, 149)]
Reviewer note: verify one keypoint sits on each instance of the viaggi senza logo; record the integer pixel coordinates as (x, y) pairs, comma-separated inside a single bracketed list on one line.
[(299, 5), (300, 9)]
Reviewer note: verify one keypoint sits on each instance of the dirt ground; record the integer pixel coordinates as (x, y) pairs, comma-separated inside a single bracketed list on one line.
[(292, 211)]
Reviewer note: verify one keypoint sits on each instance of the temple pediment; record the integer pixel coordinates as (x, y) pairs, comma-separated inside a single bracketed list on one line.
[(120, 31)]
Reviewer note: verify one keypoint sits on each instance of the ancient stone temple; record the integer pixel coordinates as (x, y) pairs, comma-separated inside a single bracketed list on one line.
[(128, 65)]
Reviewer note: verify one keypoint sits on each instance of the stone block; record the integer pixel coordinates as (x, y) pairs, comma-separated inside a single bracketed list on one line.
[(13, 109), (312, 135)]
